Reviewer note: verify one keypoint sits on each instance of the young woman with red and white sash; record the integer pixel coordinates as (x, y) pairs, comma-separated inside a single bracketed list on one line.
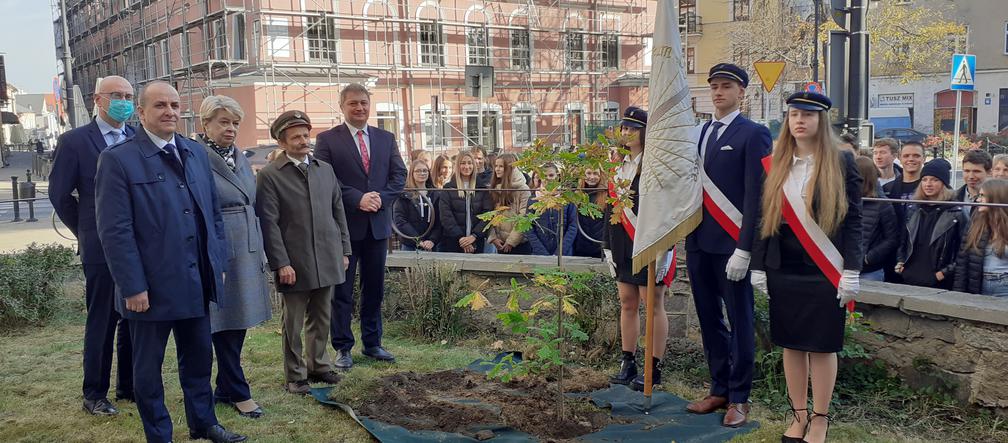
[(809, 246), (618, 249)]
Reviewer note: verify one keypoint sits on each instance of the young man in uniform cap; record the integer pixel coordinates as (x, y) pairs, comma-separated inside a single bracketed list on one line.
[(307, 243), (718, 251)]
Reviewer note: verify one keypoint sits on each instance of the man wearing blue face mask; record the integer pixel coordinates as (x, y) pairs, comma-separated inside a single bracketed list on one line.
[(74, 169)]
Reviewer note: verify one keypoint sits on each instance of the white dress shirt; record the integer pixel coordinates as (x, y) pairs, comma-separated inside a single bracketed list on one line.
[(111, 133), (800, 175), (367, 137), (726, 120), (161, 143)]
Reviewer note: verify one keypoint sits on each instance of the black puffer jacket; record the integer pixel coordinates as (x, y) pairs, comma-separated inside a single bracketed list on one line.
[(414, 215), (944, 240), (452, 213), (970, 267), (880, 234)]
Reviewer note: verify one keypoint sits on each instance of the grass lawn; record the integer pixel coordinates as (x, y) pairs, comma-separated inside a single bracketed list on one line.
[(40, 398)]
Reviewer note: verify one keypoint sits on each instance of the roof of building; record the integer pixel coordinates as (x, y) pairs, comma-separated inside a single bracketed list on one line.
[(38, 103)]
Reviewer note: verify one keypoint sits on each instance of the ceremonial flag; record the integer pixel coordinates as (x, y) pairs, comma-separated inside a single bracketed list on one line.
[(670, 190)]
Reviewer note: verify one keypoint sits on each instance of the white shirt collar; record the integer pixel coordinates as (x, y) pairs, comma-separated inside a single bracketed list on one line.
[(158, 141), (630, 164), (353, 129), (806, 159), (105, 126), (728, 119)]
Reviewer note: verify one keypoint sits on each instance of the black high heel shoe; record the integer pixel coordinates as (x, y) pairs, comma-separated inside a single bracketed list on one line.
[(794, 412), (812, 417)]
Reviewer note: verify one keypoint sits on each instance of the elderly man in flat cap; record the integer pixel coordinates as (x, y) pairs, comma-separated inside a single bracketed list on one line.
[(307, 243)]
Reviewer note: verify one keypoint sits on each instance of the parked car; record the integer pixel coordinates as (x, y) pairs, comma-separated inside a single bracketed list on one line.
[(902, 134)]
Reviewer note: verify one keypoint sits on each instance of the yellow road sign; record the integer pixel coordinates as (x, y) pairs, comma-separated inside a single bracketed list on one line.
[(769, 73)]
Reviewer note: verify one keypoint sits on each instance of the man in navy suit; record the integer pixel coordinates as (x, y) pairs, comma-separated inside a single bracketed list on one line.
[(718, 251), (160, 226), (371, 173), (74, 171)]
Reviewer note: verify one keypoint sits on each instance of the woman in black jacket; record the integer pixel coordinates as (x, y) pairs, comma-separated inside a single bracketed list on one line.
[(934, 232), (982, 265), (415, 215), (880, 230), (461, 228), (587, 225)]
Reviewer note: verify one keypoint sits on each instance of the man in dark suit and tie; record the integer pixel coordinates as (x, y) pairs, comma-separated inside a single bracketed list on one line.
[(160, 225), (74, 171), (371, 173), (718, 251)]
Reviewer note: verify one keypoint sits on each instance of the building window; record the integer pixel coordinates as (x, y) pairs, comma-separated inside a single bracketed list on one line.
[(610, 49), (277, 37), (388, 120), (476, 46), (740, 10), (575, 51), (165, 68), (431, 44), (321, 34), (523, 126), (151, 63), (521, 49), (648, 48), (219, 37), (490, 128), (574, 135), (690, 61), (435, 127), (1006, 39), (238, 37)]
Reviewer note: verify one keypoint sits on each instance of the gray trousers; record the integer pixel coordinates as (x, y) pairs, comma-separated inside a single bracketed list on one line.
[(310, 310)]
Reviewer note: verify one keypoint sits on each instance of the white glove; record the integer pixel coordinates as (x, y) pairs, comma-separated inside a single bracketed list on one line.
[(738, 264), (758, 280), (662, 264), (612, 265), (850, 285)]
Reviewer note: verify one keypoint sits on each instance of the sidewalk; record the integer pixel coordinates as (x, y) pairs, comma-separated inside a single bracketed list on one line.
[(18, 235)]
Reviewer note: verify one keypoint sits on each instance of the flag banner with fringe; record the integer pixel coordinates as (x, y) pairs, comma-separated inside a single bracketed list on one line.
[(670, 188)]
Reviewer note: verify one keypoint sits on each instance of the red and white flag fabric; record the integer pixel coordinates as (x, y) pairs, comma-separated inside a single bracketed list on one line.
[(670, 188)]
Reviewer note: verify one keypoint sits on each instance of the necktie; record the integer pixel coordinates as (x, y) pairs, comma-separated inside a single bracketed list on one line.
[(303, 167), (365, 158), (117, 136), (712, 138), (173, 152)]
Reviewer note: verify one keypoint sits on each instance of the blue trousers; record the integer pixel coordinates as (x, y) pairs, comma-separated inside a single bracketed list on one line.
[(232, 387), (100, 335), (729, 345), (195, 358), (369, 255)]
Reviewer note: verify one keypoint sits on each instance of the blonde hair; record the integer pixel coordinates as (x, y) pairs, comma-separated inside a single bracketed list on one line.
[(460, 182), (826, 185), (440, 161), (411, 182), (214, 103), (946, 194)]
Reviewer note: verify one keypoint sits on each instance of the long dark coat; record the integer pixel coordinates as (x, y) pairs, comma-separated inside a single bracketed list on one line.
[(303, 222), (246, 292)]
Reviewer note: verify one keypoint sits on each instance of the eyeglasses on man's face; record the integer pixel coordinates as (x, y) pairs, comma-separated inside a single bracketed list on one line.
[(117, 96)]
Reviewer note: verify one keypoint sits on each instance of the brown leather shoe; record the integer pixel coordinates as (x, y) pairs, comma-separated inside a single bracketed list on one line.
[(738, 415), (709, 404)]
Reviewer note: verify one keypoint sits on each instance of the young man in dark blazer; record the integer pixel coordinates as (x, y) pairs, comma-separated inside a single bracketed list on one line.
[(371, 173), (717, 254), (73, 170), (160, 226)]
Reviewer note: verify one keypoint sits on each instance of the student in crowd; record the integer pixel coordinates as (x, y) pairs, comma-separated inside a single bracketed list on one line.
[(618, 245), (591, 230), (982, 265), (414, 214), (933, 233), (484, 165), (420, 154), (850, 143), (441, 171), (508, 188), (545, 233), (811, 175), (976, 167), (884, 153), (999, 168), (459, 207), (880, 230), (912, 158)]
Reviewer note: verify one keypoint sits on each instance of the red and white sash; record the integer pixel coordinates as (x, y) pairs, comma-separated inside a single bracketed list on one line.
[(815, 241), (629, 222), (719, 207)]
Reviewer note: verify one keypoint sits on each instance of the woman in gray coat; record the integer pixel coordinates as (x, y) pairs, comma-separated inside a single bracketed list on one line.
[(246, 301)]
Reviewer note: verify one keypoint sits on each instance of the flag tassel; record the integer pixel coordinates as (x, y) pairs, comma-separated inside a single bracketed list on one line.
[(667, 242)]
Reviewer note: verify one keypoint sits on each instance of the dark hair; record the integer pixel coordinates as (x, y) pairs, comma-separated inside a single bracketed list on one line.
[(850, 139), (890, 142), (870, 173), (641, 131), (978, 157)]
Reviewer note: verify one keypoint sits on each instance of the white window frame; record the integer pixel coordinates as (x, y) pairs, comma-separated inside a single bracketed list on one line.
[(568, 60), (278, 45), (438, 23), (398, 110), (473, 109), (1006, 38), (165, 58), (426, 118), (523, 107), (477, 59), (522, 12), (238, 50), (574, 106), (328, 44), (648, 49)]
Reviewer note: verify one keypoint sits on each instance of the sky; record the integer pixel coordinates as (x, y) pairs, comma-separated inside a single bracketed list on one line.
[(26, 42)]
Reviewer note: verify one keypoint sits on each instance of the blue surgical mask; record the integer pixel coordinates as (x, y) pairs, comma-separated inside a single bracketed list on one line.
[(120, 110)]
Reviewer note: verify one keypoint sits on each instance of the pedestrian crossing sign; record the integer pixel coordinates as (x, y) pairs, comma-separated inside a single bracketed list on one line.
[(963, 72)]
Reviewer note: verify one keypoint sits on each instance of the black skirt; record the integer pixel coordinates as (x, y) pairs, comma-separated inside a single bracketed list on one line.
[(624, 264), (805, 314)]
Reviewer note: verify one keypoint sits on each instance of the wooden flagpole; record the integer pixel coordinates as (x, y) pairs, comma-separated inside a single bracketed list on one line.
[(649, 336)]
